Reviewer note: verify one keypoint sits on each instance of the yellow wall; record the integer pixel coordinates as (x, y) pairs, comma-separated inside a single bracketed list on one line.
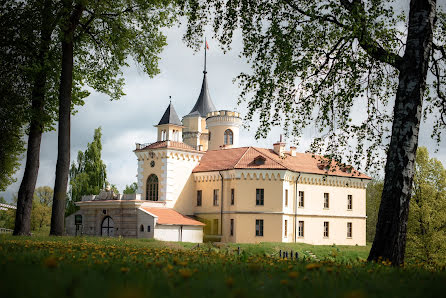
[(274, 212)]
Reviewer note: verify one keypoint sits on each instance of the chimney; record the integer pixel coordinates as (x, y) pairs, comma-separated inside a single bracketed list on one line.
[(293, 151), (279, 147)]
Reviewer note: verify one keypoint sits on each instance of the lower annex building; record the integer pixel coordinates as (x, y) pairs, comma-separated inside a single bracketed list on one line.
[(196, 182)]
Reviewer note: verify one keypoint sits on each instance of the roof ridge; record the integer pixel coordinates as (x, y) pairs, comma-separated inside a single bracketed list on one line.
[(271, 158), (247, 148)]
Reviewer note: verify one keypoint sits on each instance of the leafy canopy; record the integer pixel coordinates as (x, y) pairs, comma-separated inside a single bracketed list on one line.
[(328, 68), (427, 218)]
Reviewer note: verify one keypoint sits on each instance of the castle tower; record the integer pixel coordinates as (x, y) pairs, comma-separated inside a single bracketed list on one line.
[(195, 133), (223, 129), (170, 127)]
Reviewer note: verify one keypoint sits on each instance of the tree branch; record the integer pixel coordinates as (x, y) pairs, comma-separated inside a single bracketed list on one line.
[(324, 18), (366, 41)]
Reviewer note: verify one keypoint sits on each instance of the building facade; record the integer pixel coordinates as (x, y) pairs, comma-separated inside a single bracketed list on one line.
[(195, 181)]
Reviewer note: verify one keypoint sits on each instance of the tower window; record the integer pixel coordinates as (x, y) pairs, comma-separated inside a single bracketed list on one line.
[(229, 137), (152, 188)]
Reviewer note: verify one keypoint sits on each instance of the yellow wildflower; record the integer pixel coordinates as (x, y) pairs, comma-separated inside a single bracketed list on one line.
[(312, 266)]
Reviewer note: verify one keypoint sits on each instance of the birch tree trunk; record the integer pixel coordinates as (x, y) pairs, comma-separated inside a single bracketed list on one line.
[(391, 228)]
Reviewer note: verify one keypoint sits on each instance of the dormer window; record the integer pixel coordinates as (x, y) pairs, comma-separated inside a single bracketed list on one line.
[(323, 166), (259, 160)]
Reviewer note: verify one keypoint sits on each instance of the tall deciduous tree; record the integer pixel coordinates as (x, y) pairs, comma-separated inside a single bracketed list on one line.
[(427, 219), (87, 175), (313, 62), (97, 37), (29, 60)]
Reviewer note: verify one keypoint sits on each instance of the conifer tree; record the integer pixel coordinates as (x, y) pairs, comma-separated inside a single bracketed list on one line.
[(88, 174)]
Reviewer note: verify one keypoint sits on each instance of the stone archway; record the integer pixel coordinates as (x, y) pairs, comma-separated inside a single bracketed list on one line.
[(108, 227)]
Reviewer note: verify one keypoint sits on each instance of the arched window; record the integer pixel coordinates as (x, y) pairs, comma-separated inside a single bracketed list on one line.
[(141, 228), (229, 137), (108, 227), (152, 188)]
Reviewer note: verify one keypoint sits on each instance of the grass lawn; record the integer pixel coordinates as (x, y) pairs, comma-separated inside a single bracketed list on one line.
[(42, 266)]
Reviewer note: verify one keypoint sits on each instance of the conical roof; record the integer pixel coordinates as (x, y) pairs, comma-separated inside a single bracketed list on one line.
[(204, 103), (170, 116)]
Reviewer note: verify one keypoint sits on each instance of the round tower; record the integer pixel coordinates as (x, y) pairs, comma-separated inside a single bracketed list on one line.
[(223, 127)]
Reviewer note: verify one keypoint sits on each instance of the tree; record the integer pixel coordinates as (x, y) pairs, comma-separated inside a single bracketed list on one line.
[(373, 200), (30, 27), (96, 39), (28, 84), (427, 220), (313, 62), (88, 176), (41, 212), (13, 90), (132, 188)]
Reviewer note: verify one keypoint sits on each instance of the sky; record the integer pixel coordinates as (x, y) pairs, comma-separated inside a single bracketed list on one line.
[(131, 120)]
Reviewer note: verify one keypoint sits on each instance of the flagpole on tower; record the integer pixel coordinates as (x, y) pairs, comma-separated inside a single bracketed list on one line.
[(205, 46)]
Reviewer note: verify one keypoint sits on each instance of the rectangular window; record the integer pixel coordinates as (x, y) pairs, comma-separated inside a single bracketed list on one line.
[(349, 202), (301, 229), (301, 198), (215, 227), (232, 196), (216, 197), (260, 196), (326, 201), (325, 229), (286, 197), (286, 228), (349, 229), (232, 227), (259, 227), (199, 196)]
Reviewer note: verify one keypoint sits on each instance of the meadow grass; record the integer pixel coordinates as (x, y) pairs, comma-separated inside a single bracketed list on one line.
[(42, 266)]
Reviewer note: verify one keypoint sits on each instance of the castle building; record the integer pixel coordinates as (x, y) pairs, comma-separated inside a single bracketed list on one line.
[(195, 182)]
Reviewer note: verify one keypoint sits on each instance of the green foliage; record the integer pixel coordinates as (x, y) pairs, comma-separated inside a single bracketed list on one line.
[(132, 188), (426, 233), (41, 211), (6, 216), (87, 175), (76, 266), (112, 31), (114, 188), (373, 200), (313, 63)]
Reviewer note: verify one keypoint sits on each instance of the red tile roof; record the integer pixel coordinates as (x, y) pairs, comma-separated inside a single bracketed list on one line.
[(243, 158), (168, 144), (167, 216)]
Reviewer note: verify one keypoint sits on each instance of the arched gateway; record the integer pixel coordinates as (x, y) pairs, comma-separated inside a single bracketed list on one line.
[(108, 227)]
